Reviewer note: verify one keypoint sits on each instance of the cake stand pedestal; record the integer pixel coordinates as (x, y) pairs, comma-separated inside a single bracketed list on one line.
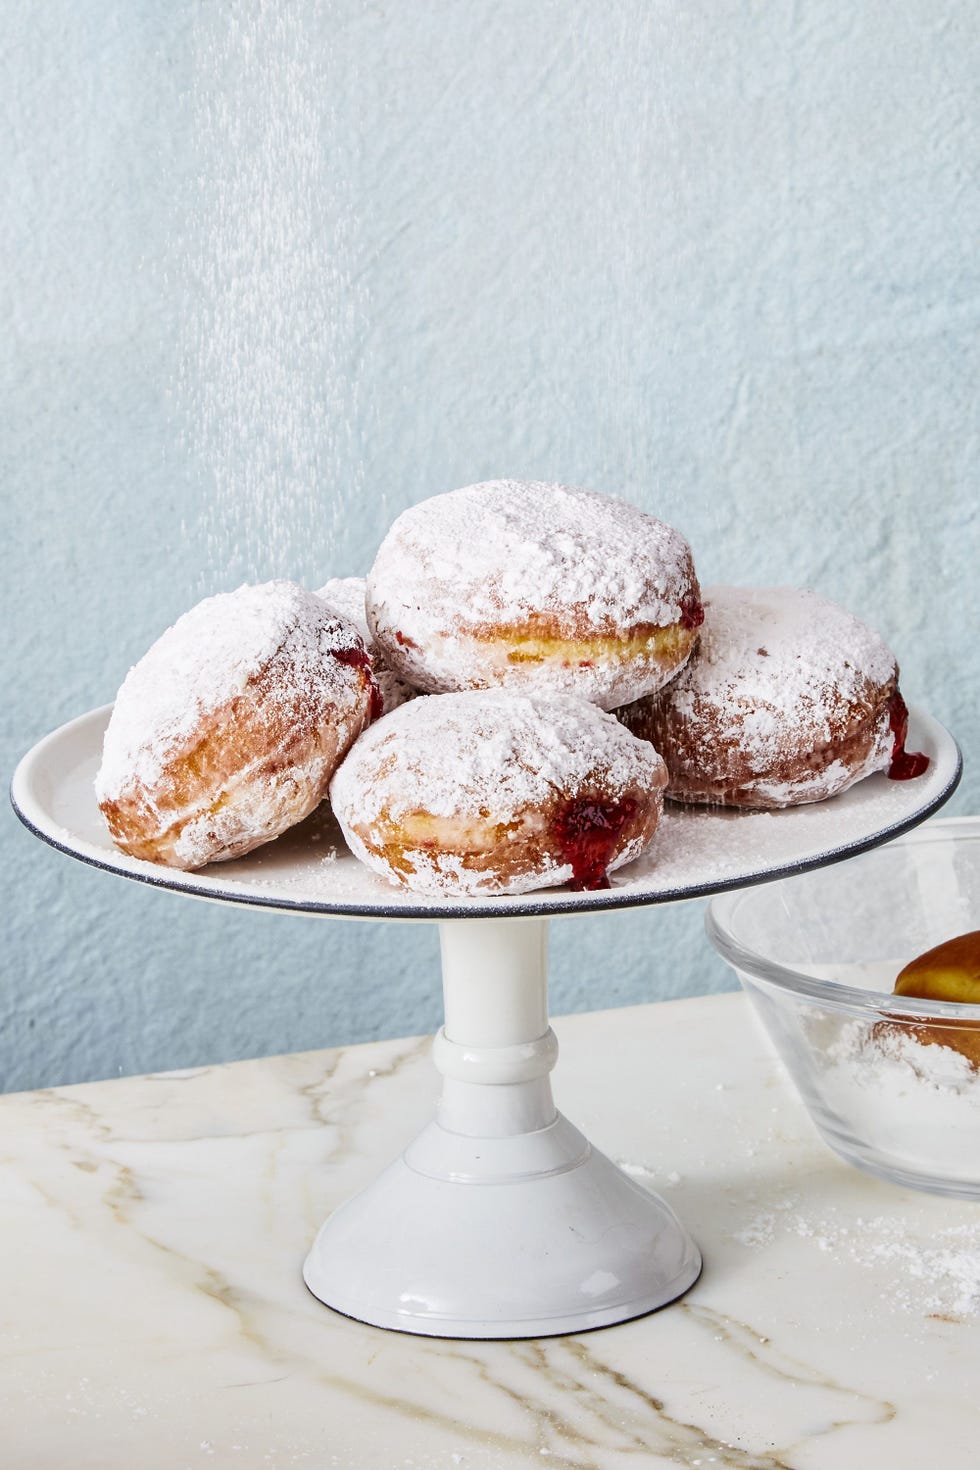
[(500, 1219)]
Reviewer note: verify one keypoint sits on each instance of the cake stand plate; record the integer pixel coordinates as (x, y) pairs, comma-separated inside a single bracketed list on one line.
[(500, 1219)]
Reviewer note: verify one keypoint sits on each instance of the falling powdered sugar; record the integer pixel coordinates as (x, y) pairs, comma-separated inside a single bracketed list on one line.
[(268, 404)]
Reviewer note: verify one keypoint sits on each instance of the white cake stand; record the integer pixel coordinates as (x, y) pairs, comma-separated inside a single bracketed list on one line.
[(500, 1219)]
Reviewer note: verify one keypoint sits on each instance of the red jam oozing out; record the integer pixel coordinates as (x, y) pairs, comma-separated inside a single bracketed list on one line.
[(356, 658), (586, 831), (906, 764), (692, 613)]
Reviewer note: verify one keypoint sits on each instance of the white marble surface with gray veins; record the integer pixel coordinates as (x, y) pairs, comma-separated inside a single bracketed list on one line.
[(152, 1311)]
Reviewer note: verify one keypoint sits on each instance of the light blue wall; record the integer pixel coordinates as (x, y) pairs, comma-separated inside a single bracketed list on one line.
[(271, 273)]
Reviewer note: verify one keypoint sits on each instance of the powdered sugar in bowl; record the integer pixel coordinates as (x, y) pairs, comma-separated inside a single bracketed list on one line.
[(891, 1082)]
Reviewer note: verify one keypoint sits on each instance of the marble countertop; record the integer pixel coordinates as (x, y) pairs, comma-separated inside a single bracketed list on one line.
[(152, 1311)]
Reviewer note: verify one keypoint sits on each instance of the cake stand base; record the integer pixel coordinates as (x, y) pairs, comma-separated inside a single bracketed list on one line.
[(500, 1220)]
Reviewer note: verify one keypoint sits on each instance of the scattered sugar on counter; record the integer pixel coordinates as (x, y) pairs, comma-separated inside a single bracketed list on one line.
[(939, 1277)]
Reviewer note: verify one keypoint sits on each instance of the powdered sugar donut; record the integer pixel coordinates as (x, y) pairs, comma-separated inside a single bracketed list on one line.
[(494, 792), (534, 586), (228, 730), (787, 699), (346, 596)]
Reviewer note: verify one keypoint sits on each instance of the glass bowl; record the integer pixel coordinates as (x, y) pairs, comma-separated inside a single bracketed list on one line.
[(891, 1082)]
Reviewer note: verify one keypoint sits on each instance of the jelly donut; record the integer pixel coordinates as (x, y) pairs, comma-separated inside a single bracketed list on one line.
[(346, 596), (787, 699), (229, 728), (490, 792), (534, 586)]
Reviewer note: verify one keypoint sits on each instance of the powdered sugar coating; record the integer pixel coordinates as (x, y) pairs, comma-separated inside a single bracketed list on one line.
[(347, 596), (779, 674), (497, 555), (227, 731), (491, 756), (816, 653), (208, 657)]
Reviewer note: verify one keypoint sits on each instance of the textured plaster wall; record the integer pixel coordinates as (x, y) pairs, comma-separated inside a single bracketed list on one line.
[(271, 273)]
